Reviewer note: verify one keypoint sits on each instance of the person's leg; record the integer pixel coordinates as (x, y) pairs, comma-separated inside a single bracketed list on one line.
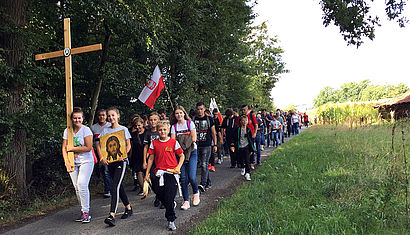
[(258, 149), (297, 128), (246, 159), (84, 175), (170, 190), (204, 154), (107, 179), (212, 159), (184, 180), (191, 170), (240, 158), (117, 170), (263, 140), (277, 138), (74, 179), (122, 193)]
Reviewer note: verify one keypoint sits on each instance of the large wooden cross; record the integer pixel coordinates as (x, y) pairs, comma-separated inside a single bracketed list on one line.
[(67, 52)]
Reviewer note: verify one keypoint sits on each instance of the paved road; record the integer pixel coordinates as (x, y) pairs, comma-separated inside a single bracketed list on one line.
[(146, 219)]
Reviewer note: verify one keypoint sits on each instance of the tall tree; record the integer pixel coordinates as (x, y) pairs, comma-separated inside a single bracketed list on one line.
[(13, 18)]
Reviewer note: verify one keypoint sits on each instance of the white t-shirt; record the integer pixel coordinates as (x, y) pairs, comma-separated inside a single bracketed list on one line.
[(183, 128), (107, 131), (275, 125), (83, 157), (97, 129), (295, 118)]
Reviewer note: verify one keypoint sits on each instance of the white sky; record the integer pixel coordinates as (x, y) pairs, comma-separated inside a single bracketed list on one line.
[(317, 56)]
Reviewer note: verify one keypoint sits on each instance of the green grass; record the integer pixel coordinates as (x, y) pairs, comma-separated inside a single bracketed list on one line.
[(327, 180)]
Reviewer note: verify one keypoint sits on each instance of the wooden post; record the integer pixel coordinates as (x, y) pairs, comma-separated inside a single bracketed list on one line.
[(67, 52), (68, 88)]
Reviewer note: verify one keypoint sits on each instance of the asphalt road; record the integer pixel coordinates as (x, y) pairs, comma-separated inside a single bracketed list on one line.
[(146, 218)]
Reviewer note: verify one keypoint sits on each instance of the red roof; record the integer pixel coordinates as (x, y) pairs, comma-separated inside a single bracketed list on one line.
[(401, 99)]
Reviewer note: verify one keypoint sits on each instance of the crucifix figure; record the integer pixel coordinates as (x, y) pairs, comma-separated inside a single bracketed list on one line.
[(67, 52)]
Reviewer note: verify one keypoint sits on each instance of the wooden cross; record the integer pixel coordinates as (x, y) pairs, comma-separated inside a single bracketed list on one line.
[(67, 52)]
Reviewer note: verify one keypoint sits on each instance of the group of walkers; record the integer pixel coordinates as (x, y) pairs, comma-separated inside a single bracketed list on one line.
[(168, 151)]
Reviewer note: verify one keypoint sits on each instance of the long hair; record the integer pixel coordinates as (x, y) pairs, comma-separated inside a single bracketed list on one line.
[(173, 119)]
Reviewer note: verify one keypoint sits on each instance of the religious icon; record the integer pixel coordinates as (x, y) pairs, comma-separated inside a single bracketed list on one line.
[(113, 146)]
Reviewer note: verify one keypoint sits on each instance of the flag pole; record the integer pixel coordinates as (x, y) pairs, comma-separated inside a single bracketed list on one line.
[(169, 98)]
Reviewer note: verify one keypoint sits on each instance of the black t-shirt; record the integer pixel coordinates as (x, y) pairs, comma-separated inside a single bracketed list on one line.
[(150, 136), (203, 128), (137, 146), (229, 125)]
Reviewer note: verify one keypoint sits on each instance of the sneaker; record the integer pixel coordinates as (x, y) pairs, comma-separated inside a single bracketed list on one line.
[(185, 206), (107, 195), (175, 204), (208, 187), (157, 202), (201, 188), (87, 218), (212, 169), (219, 161), (171, 226), (262, 148), (141, 193), (248, 176), (196, 199), (110, 221), (243, 171), (209, 166), (80, 219), (252, 166), (127, 213)]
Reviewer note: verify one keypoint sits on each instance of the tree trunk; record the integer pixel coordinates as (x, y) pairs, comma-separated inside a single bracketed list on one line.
[(15, 16), (97, 89)]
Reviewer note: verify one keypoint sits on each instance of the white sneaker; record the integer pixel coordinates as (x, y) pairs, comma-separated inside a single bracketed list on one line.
[(196, 200), (219, 161), (171, 226), (243, 171), (185, 206), (248, 176)]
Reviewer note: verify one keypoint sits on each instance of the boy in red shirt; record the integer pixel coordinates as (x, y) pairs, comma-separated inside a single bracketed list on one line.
[(167, 169)]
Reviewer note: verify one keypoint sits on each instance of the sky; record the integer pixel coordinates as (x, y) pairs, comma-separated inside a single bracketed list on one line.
[(317, 56)]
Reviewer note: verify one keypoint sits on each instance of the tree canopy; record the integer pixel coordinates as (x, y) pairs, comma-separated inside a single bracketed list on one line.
[(204, 48), (361, 91), (355, 19)]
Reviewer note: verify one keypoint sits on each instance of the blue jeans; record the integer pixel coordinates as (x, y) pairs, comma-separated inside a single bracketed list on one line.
[(204, 154), (276, 138), (296, 127), (107, 179), (188, 175), (259, 139)]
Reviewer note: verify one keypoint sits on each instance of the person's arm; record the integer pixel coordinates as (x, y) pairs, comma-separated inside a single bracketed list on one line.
[(193, 135), (88, 144), (221, 140), (144, 162), (69, 167), (255, 125), (181, 161), (150, 161), (100, 156), (213, 132)]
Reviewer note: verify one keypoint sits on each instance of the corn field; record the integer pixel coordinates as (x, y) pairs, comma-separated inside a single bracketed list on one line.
[(350, 114)]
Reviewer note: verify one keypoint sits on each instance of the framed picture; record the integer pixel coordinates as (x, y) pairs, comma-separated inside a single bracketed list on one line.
[(113, 146)]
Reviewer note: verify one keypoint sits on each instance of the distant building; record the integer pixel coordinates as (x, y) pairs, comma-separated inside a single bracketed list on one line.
[(395, 108)]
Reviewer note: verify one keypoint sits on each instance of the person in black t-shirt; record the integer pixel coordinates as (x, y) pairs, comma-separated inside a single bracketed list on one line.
[(137, 131), (228, 129), (206, 133)]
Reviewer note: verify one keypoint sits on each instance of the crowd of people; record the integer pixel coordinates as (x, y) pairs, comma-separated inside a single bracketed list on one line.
[(168, 151)]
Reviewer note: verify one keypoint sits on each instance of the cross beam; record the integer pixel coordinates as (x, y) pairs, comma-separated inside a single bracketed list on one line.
[(67, 52)]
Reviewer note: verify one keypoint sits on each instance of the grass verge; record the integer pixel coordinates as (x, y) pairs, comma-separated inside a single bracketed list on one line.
[(328, 180)]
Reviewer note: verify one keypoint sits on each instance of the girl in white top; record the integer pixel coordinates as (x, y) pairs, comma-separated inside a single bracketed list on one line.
[(116, 169), (182, 124), (83, 167)]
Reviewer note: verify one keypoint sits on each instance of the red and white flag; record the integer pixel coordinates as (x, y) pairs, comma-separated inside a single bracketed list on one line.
[(153, 89), (213, 106)]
